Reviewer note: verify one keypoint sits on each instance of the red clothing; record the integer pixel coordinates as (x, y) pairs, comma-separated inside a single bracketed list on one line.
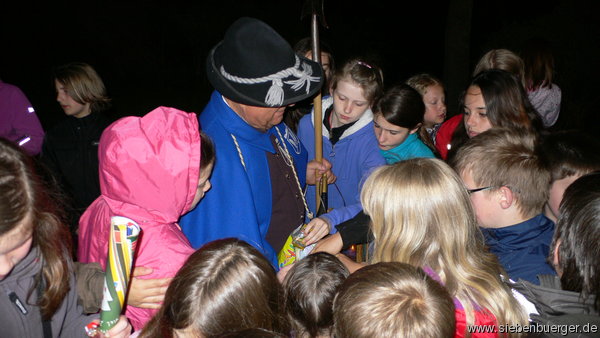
[(444, 135), (483, 321)]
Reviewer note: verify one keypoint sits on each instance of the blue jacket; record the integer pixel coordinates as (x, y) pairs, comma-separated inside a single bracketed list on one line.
[(240, 201), (352, 158), (412, 147), (523, 248)]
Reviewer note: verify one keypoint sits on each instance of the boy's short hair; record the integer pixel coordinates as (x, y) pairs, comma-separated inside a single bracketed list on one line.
[(570, 152), (504, 157), (392, 299)]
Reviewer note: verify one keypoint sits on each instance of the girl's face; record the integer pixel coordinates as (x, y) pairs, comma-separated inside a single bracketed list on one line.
[(435, 106), (14, 246), (68, 104), (349, 103), (203, 185), (388, 135), (475, 115)]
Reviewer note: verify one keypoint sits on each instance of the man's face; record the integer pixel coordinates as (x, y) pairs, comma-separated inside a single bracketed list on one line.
[(261, 118)]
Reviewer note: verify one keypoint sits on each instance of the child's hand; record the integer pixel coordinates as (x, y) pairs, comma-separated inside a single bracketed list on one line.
[(121, 329), (332, 244), (146, 293), (315, 230)]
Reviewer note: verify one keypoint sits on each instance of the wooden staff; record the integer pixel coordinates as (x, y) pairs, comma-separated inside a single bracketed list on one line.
[(316, 10)]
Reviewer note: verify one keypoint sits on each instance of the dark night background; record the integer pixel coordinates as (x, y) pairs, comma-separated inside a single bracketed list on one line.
[(152, 53)]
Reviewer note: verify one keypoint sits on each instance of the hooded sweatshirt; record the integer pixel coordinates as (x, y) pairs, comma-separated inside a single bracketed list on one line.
[(352, 159), (20, 317), (149, 171)]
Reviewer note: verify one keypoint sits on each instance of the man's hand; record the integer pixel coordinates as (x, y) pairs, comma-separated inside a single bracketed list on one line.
[(315, 170), (146, 293)]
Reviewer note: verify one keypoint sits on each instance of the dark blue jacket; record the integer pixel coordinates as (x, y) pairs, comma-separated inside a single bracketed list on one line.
[(523, 248)]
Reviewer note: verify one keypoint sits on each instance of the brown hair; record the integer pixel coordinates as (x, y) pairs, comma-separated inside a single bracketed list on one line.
[(83, 85), (578, 232), (539, 63), (570, 152), (365, 74), (393, 299), (506, 103), (309, 289), (504, 157), (25, 202), (225, 286), (403, 106), (207, 151)]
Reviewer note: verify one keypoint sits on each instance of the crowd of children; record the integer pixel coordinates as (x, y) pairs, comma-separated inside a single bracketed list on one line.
[(484, 220)]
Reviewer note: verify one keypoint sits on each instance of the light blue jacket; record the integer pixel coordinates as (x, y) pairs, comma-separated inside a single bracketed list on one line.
[(412, 147), (352, 158)]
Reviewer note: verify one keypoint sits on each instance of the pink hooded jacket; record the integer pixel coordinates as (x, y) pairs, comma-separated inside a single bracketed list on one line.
[(149, 171)]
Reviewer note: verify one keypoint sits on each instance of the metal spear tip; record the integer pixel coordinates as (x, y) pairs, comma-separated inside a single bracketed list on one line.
[(314, 7)]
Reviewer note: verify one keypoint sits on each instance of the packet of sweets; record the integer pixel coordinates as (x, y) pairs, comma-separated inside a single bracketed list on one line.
[(294, 248)]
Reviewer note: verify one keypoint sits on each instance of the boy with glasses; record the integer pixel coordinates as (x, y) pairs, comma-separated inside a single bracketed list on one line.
[(508, 183)]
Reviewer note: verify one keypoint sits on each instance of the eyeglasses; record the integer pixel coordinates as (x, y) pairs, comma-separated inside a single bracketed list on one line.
[(470, 191)]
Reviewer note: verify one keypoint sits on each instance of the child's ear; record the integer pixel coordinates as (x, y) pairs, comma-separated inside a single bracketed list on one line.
[(556, 257), (506, 197), (416, 128)]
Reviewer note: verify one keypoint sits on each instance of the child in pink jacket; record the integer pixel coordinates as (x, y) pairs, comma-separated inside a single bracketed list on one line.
[(153, 169)]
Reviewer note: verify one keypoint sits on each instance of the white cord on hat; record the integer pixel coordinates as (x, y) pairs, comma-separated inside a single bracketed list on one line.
[(275, 95)]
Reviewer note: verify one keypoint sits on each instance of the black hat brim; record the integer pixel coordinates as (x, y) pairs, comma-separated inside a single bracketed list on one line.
[(254, 94)]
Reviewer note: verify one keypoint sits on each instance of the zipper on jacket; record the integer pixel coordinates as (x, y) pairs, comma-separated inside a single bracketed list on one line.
[(15, 300)]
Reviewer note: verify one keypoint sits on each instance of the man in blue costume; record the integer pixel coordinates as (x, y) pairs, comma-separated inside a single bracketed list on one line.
[(261, 166)]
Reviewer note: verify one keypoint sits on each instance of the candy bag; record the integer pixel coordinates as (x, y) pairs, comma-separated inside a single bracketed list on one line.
[(294, 248)]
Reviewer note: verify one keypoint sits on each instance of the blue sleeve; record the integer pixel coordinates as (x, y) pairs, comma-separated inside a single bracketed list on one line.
[(371, 159)]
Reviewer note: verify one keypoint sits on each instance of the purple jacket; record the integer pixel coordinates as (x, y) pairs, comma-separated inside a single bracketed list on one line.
[(18, 121), (352, 158)]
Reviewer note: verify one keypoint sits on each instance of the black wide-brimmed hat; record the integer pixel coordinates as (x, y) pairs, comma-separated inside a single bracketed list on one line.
[(255, 66)]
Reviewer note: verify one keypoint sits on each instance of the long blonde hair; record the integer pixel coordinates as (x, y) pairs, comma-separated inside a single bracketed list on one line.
[(421, 215)]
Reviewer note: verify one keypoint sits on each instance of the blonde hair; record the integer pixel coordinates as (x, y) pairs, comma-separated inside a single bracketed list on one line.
[(502, 59), (393, 299), (422, 215), (83, 84), (506, 157), (421, 82)]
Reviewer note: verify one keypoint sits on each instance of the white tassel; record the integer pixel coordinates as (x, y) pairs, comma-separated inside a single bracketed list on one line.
[(275, 95)]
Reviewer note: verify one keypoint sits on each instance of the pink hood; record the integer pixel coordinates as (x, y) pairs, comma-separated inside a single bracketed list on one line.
[(149, 170)]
